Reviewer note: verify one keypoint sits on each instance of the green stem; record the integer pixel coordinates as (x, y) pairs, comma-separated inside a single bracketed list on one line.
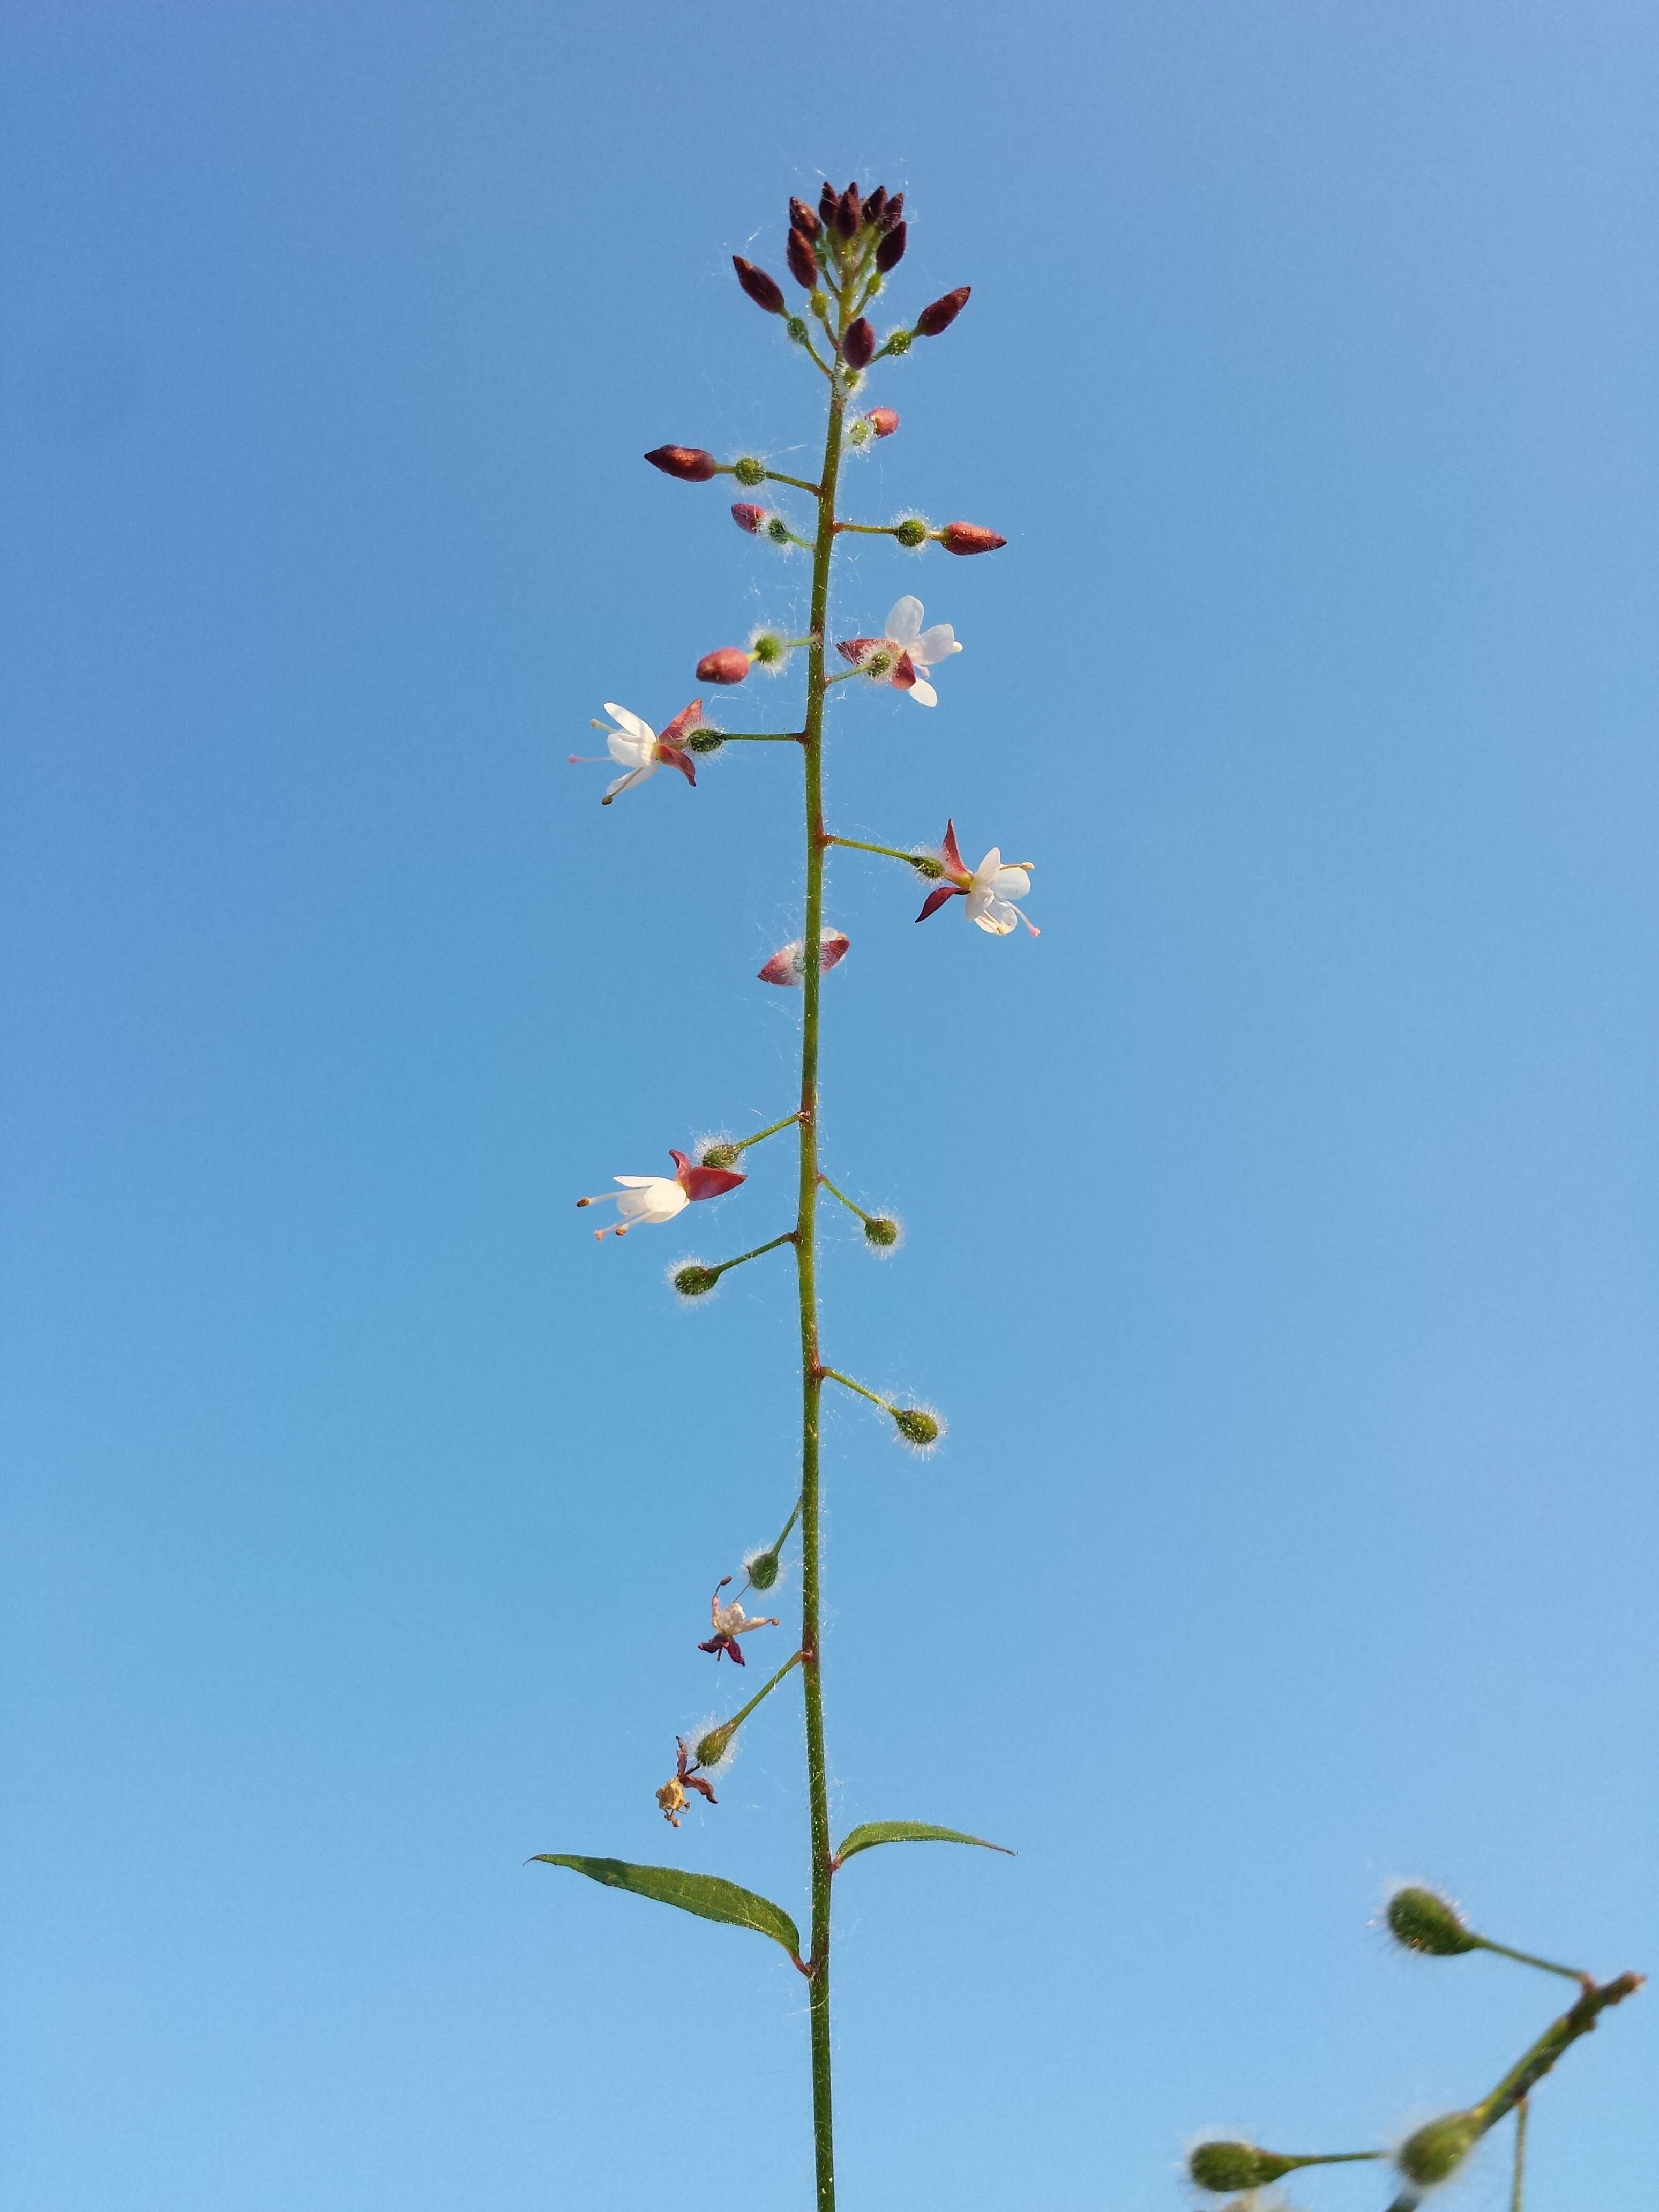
[(817, 1783), (1579, 2019), (777, 476), (761, 1135), (1526, 1958), (759, 737), (924, 863), (871, 529), (1519, 2183), (764, 1691), (725, 1266), (844, 1199), (834, 1375)]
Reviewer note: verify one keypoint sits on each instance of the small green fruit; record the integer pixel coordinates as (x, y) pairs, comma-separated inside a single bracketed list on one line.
[(881, 1231), (1424, 1921), (1435, 2153), (694, 1280), (912, 532), (917, 1427), (719, 1156), (749, 471), (1224, 2165), (763, 1571), (705, 741)]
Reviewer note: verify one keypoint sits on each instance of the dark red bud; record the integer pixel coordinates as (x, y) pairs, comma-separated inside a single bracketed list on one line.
[(875, 203), (942, 313), (728, 664), (802, 265), (859, 346), (893, 211), (801, 218), (850, 211), (689, 462), (827, 198), (763, 290), (969, 538), (748, 518), (890, 252), (883, 421)]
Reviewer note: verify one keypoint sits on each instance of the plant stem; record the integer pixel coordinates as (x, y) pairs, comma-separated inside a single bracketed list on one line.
[(760, 737), (920, 861), (844, 1199), (817, 1787), (1579, 2019), (721, 1266), (870, 529), (777, 476), (1526, 1958), (759, 1135), (764, 1691), (834, 1375), (1519, 2184)]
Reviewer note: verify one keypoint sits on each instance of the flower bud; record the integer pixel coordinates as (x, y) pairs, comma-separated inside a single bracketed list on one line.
[(969, 538), (749, 471), (763, 1569), (763, 289), (1424, 1921), (689, 462), (747, 517), (1435, 2153), (849, 212), (881, 1232), (789, 964), (714, 1744), (939, 316), (859, 346), (883, 421), (801, 218), (891, 213), (890, 252), (875, 205), (694, 1280), (1224, 2165), (803, 265), (729, 664), (913, 531), (827, 198), (919, 1429), (721, 1155)]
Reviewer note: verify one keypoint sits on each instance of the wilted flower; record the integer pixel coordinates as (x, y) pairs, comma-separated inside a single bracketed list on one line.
[(647, 1200), (730, 1622), (789, 964), (641, 752), (671, 1797)]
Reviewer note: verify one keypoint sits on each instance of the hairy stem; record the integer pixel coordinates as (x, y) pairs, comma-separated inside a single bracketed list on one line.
[(759, 1135), (818, 1784), (1520, 2181), (923, 863)]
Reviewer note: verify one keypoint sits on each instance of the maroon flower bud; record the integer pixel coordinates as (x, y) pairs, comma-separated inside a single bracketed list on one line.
[(965, 537), (890, 252), (803, 267), (728, 665), (801, 218), (849, 212), (763, 289), (875, 203), (748, 518), (893, 210), (859, 346), (689, 462), (942, 313), (827, 198), (883, 421)]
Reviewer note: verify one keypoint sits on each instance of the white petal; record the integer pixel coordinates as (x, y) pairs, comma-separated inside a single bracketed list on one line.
[(627, 782), (998, 918), (631, 751), (985, 875), (936, 644), (923, 693), (638, 1182), (905, 624), (1011, 883), (977, 900), (631, 723)]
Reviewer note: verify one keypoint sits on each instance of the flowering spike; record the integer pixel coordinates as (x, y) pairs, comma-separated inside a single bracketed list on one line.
[(727, 663), (763, 289), (938, 317), (969, 538), (859, 346), (689, 462), (890, 252)]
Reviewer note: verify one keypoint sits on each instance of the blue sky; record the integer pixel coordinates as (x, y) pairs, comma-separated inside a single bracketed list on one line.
[(1281, 1226)]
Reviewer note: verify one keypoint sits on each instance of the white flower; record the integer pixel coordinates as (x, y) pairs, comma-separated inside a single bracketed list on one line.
[(635, 746), (925, 648), (990, 890), (644, 1201)]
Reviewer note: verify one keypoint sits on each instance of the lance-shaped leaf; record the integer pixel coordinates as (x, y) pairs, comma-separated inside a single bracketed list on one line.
[(705, 1895), (908, 1831)]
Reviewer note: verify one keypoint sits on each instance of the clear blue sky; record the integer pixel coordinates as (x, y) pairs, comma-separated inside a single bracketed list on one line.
[(1281, 1226)]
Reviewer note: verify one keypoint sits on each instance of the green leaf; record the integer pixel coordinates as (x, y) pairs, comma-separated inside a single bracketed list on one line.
[(705, 1895), (908, 1831)]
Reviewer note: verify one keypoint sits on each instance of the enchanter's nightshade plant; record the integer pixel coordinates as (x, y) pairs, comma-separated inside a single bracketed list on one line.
[(840, 256)]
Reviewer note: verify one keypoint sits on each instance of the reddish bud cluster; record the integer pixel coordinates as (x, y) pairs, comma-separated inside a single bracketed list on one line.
[(689, 462)]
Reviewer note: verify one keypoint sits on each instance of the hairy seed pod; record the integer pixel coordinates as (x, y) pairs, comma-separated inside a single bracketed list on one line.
[(969, 538), (801, 218), (763, 289), (694, 1280), (749, 471), (1424, 1921), (689, 462), (940, 313), (728, 664), (882, 1231), (1224, 2165), (708, 739), (763, 1571), (719, 1156), (918, 1428), (1435, 2153), (912, 532), (798, 252), (859, 346), (890, 252)]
